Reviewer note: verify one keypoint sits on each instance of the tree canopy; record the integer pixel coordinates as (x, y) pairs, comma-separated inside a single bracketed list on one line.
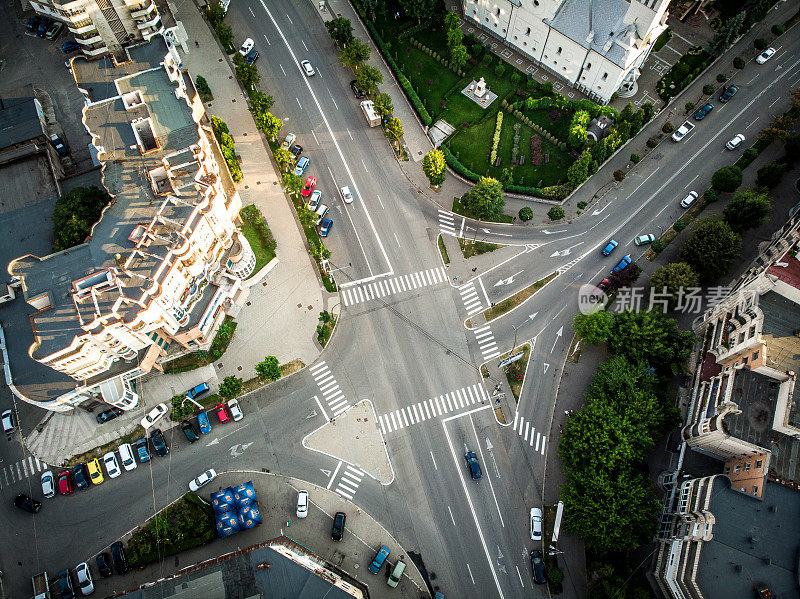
[(75, 213), (434, 166), (749, 209), (485, 200), (728, 178), (673, 277), (711, 248)]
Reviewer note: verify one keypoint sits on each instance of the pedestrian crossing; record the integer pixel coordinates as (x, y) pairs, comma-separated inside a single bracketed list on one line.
[(329, 388), (386, 287), (529, 434), (349, 481), (447, 223), (24, 468), (432, 408), (471, 298), (486, 343)]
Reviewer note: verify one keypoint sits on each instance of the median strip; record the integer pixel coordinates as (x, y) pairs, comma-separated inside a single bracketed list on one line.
[(517, 299)]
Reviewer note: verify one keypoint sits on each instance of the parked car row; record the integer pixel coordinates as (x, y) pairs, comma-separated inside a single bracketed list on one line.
[(81, 577), (44, 27)]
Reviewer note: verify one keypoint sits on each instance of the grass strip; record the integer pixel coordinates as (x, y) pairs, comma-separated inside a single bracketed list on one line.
[(459, 208), (518, 298), (443, 251), (470, 248), (515, 372)]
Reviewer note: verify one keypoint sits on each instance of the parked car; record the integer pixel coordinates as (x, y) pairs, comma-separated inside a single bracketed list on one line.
[(537, 565), (325, 227), (103, 562), (44, 25), (321, 211), (189, 430), (70, 46), (296, 150), (159, 443), (246, 46), (339, 520), (235, 410), (604, 285), (347, 196), (689, 199), (204, 423), (84, 575), (197, 391), (301, 166), (735, 142), (141, 449), (644, 239), (222, 413), (472, 465), (622, 264), (309, 186), (108, 414), (119, 558), (288, 141), (95, 472), (80, 475), (33, 24), (379, 559), (126, 457), (765, 55), (54, 30), (728, 92), (314, 200), (26, 503), (702, 112), (612, 243), (397, 574), (251, 57), (58, 144), (536, 524), (65, 584), (65, 486), (307, 68), (302, 504), (154, 416), (9, 422), (111, 464), (202, 480), (48, 484), (356, 92)]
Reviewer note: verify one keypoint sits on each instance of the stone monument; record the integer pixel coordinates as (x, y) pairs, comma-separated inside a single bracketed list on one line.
[(479, 93), (480, 88)]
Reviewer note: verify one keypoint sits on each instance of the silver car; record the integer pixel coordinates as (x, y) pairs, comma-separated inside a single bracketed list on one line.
[(308, 69), (111, 464), (203, 479), (536, 524), (85, 582), (48, 484)]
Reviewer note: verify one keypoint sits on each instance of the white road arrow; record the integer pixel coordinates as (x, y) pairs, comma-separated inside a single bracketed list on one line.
[(312, 414), (235, 452), (509, 280), (546, 232), (565, 252), (546, 366), (327, 473), (559, 332), (489, 448), (600, 210), (532, 316), (495, 233), (500, 556), (214, 442)]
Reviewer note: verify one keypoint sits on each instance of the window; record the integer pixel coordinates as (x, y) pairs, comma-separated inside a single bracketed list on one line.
[(752, 332), (744, 360), (759, 463), (747, 467), (736, 468), (536, 2), (755, 356), (755, 489), (605, 76), (528, 32), (559, 52)]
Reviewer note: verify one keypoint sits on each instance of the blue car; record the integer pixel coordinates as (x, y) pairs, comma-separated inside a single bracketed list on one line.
[(472, 465), (702, 112), (197, 391), (141, 450), (610, 247), (302, 165), (380, 557), (622, 264), (325, 227), (70, 46), (205, 424)]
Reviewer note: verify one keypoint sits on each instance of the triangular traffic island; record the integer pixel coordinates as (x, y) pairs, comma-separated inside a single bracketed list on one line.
[(355, 437)]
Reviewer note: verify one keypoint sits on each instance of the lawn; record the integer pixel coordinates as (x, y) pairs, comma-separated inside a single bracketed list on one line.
[(262, 251), (429, 78)]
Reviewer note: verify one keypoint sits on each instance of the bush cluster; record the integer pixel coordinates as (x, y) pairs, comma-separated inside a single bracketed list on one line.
[(577, 129), (222, 133), (496, 139)]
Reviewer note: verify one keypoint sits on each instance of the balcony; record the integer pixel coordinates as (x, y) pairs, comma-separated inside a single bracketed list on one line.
[(83, 28), (144, 11), (142, 25), (96, 38), (103, 49)]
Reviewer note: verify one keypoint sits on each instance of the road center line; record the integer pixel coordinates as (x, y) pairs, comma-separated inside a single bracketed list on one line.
[(451, 515), (489, 478), (434, 464)]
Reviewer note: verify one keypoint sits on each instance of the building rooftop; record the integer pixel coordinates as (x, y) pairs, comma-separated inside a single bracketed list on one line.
[(755, 543), (787, 269), (781, 324), (19, 120)]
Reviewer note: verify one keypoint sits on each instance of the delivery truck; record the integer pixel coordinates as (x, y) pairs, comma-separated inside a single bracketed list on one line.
[(369, 112)]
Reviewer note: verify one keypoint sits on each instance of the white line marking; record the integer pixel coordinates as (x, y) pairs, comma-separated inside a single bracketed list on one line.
[(451, 515), (397, 240), (434, 462), (298, 103), (473, 578), (333, 476), (489, 478), (520, 577), (284, 72)]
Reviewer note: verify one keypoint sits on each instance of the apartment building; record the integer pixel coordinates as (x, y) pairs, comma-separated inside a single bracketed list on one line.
[(164, 264), (597, 46), (104, 26), (732, 531)]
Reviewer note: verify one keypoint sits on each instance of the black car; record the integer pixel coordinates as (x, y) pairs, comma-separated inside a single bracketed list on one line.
[(70, 46), (33, 24), (296, 149), (537, 564), (104, 565), (189, 430), (728, 93), (159, 443), (356, 92), (28, 504), (43, 27), (119, 559), (108, 414), (65, 584), (80, 476), (251, 57), (338, 526)]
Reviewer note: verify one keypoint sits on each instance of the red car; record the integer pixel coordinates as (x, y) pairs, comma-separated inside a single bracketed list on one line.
[(222, 413), (64, 483), (309, 186)]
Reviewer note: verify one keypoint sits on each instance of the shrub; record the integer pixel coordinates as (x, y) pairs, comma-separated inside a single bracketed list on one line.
[(619, 175), (75, 214), (516, 77), (555, 213), (667, 128), (476, 49), (722, 77), (577, 129), (711, 195), (778, 29), (496, 139), (657, 246), (662, 40), (499, 70), (581, 205), (680, 225), (738, 62), (487, 58), (531, 83), (230, 387), (202, 87), (652, 142), (689, 106), (708, 89), (771, 174), (635, 158), (555, 192), (728, 178), (760, 44), (525, 214)]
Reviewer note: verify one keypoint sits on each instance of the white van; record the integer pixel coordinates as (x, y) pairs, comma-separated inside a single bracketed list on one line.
[(126, 456), (397, 573), (302, 504)]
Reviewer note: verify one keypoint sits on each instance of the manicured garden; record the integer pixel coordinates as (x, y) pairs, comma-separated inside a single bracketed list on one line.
[(258, 235)]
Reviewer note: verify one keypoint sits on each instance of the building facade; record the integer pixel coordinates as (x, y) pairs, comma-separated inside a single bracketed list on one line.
[(166, 261), (598, 46), (104, 26)]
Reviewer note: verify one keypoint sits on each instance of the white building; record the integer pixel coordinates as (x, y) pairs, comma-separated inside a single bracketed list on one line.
[(597, 46)]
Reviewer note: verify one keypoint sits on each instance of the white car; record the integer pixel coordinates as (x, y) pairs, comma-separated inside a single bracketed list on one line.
[(84, 574), (8, 422), (309, 70), (302, 504), (126, 457), (203, 479), (689, 199), (765, 55), (246, 46), (112, 465), (48, 484), (346, 195), (154, 415), (235, 410), (735, 142), (316, 197), (536, 524)]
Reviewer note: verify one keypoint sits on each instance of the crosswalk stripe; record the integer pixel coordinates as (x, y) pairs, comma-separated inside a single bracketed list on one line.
[(316, 367), (390, 284), (429, 409), (324, 378), (471, 397), (405, 418), (360, 294), (19, 472), (394, 422), (538, 435), (481, 329), (410, 415), (439, 405), (383, 426), (416, 414), (356, 471), (527, 430), (343, 494), (469, 294), (25, 468), (30, 461), (483, 334), (337, 402), (449, 403), (39, 465), (463, 398), (492, 355)]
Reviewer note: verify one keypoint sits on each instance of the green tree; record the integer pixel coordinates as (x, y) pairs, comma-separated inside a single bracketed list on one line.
[(341, 30), (749, 209), (711, 249), (418, 9), (726, 34), (230, 387), (269, 369), (525, 213), (672, 278), (260, 102), (649, 111), (451, 20), (355, 54), (284, 158), (555, 213), (771, 173), (75, 213), (383, 105), (368, 78), (458, 55), (454, 37), (650, 338), (291, 183), (393, 129), (593, 328), (434, 166), (247, 74), (578, 171), (270, 125), (728, 178), (307, 218), (485, 200)]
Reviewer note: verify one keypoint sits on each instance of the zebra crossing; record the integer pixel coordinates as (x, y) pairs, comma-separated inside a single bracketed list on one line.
[(348, 481), (24, 468), (447, 223), (471, 298), (432, 408), (386, 287), (486, 343), (329, 388), (524, 429)]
